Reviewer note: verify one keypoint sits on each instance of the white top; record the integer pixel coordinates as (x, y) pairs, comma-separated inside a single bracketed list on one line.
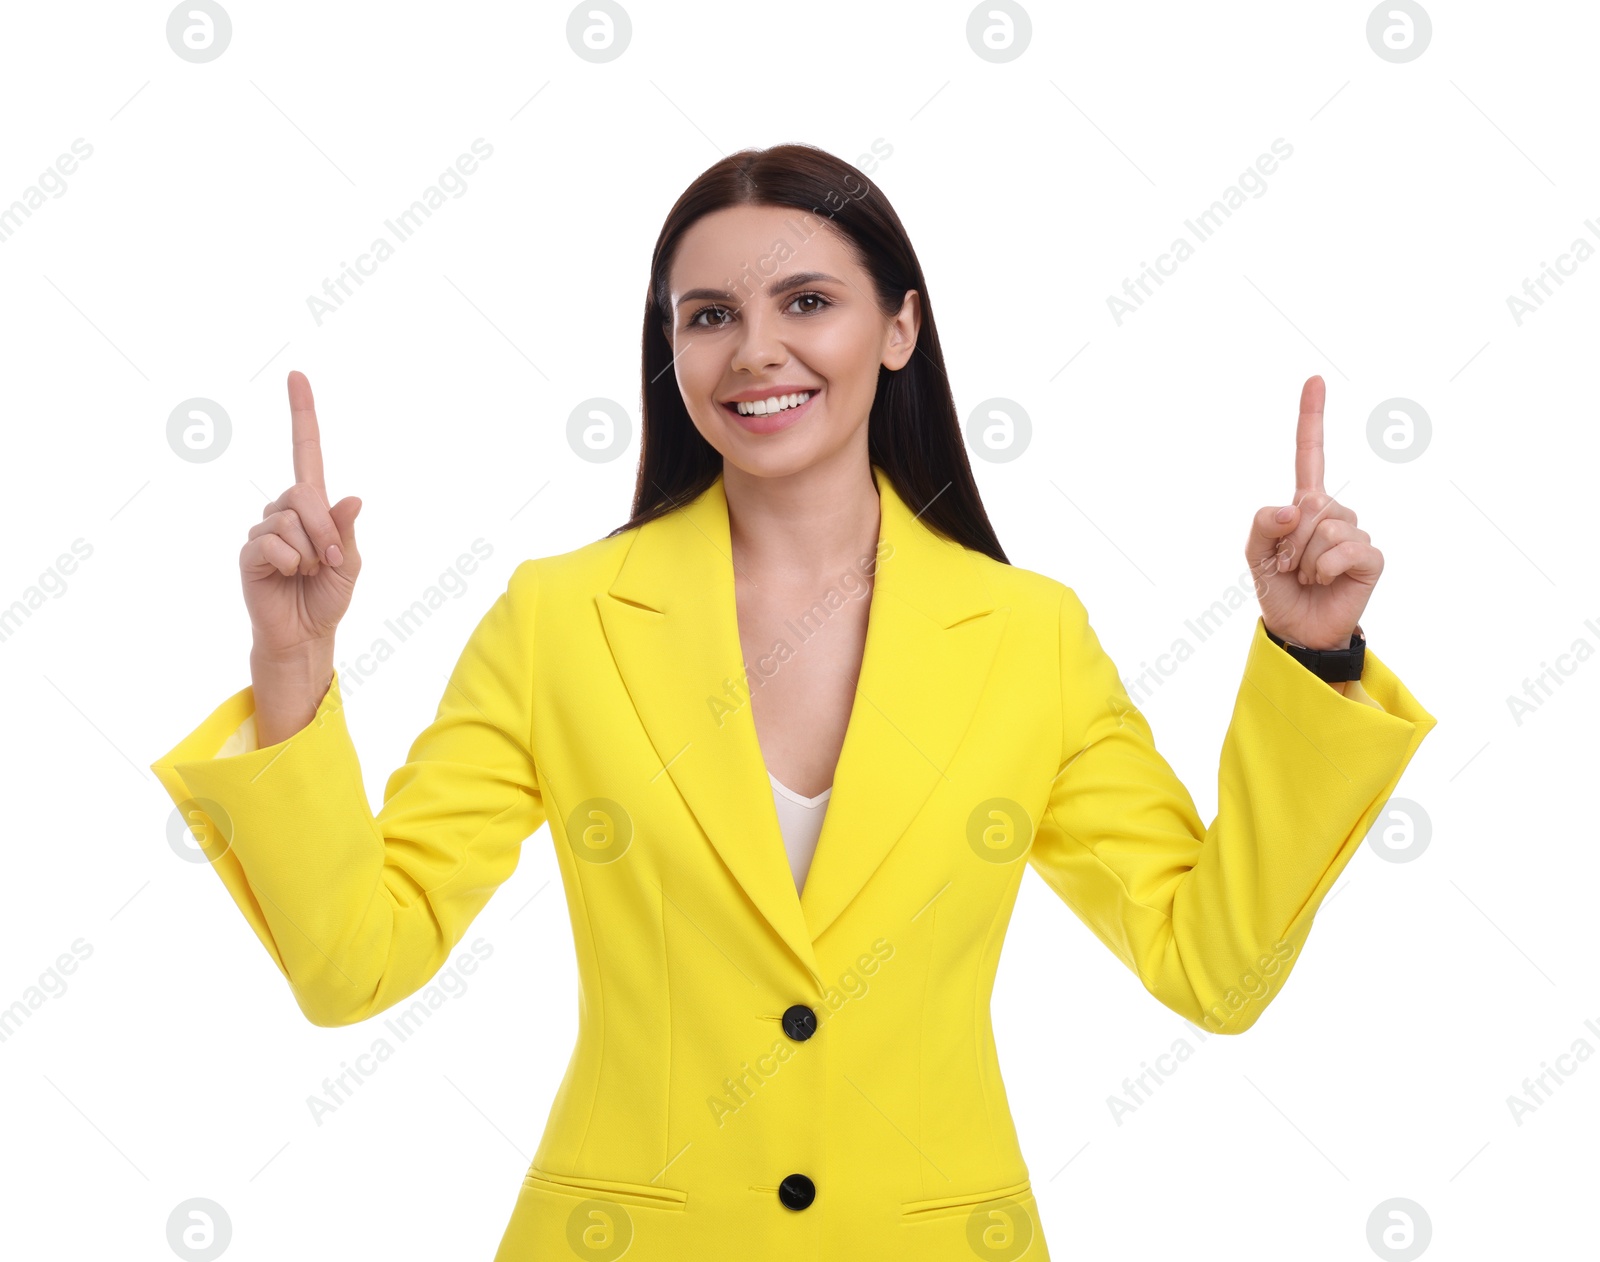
[(800, 818)]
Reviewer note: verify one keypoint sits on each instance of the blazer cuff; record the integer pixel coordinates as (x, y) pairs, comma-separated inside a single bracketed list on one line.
[(219, 762), (1352, 748)]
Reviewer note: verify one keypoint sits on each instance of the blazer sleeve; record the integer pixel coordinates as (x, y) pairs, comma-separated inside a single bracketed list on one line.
[(1212, 919), (359, 911)]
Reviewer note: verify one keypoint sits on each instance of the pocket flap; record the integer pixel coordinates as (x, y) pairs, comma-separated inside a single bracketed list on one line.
[(966, 1201), (650, 1195)]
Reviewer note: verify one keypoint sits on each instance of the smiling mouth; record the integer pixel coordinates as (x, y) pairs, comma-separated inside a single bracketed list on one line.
[(772, 406)]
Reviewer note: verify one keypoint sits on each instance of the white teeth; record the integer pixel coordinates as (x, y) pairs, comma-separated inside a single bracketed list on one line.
[(778, 403)]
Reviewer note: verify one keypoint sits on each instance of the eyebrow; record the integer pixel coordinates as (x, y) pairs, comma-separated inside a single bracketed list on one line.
[(777, 286)]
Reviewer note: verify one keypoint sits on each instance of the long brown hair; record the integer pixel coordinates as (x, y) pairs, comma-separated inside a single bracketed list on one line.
[(913, 432)]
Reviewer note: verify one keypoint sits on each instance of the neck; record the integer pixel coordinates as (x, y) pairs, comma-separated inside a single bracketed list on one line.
[(803, 525)]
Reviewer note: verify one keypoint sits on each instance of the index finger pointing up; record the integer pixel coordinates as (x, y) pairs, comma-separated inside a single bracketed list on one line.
[(1308, 438), (307, 439)]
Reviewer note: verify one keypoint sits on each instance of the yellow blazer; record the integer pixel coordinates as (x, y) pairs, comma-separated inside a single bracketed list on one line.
[(758, 1075)]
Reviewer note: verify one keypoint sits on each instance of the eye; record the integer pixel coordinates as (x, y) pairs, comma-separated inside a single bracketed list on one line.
[(695, 321), (808, 294)]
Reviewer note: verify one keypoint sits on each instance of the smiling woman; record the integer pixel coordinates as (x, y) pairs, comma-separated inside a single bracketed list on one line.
[(785, 271), (955, 719)]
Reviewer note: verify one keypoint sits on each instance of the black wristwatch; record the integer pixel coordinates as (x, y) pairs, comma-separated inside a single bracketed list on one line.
[(1334, 665)]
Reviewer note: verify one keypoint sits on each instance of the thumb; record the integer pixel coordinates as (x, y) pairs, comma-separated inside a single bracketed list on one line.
[(1281, 520), (344, 517), (1266, 529)]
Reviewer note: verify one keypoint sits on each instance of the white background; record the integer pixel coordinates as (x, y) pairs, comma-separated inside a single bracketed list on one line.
[(177, 264)]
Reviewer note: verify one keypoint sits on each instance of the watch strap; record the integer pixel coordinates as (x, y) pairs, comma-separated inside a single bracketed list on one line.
[(1333, 665)]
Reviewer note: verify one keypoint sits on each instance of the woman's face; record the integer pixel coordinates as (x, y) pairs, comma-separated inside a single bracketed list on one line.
[(757, 313)]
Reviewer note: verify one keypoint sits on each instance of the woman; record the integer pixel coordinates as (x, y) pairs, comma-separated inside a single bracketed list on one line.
[(784, 1047)]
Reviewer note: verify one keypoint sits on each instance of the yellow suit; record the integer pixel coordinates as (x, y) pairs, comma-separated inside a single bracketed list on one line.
[(760, 1075)]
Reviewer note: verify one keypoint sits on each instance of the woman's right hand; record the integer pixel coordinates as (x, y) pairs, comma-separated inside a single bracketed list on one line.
[(300, 562)]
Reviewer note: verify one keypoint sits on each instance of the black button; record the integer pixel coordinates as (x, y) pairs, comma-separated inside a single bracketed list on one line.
[(799, 1022), (796, 1191)]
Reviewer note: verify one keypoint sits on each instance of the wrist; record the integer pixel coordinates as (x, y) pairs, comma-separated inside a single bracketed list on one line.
[(1333, 664), (304, 672), (309, 657)]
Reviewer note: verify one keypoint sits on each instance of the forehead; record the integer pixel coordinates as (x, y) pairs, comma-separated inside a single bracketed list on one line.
[(748, 245)]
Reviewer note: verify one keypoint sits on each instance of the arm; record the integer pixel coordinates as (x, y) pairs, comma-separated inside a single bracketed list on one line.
[(1212, 919), (359, 911)]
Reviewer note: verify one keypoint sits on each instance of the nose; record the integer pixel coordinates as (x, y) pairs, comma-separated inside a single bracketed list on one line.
[(759, 345)]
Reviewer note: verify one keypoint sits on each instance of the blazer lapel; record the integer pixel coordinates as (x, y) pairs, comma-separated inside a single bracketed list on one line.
[(671, 621), (932, 634)]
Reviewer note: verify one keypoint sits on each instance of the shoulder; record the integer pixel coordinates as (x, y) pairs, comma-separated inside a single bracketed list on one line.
[(578, 573), (1046, 610), (1024, 591)]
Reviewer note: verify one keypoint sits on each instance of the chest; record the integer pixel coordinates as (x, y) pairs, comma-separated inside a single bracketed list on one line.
[(802, 650)]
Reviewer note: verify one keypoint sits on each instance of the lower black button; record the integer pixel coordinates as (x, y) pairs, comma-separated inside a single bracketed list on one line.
[(796, 1191), (799, 1022)]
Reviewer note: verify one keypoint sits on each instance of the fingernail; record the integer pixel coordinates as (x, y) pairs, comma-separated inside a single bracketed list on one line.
[(1285, 513), (335, 557)]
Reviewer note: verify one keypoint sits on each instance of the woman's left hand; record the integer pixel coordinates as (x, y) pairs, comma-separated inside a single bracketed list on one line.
[(1314, 572)]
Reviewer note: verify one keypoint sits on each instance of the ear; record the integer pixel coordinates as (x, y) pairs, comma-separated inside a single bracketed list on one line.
[(903, 329)]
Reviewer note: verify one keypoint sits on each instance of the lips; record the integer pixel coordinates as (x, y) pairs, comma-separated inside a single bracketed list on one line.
[(771, 422)]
